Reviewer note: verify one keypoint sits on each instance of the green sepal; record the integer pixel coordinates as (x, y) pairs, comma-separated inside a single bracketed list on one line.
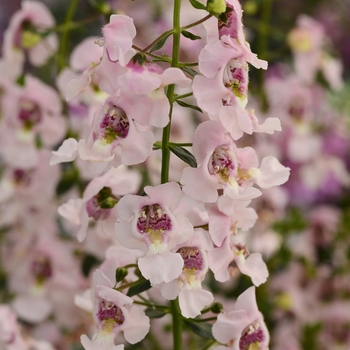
[(184, 155), (139, 58), (216, 307)]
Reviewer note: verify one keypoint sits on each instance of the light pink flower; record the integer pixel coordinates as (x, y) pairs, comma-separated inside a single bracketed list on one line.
[(243, 327), (188, 286), (114, 313), (231, 254), (20, 37), (99, 199), (153, 225)]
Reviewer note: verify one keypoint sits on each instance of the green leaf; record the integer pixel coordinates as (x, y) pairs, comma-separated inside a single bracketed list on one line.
[(184, 104), (140, 287), (160, 43), (190, 35), (88, 263), (190, 71), (202, 329), (184, 155), (153, 313), (197, 5)]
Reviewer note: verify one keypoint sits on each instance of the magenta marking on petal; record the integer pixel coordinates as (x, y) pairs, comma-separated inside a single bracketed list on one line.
[(153, 219), (222, 163), (252, 334), (29, 113), (22, 177), (192, 258), (108, 311), (114, 124), (41, 267), (230, 24)]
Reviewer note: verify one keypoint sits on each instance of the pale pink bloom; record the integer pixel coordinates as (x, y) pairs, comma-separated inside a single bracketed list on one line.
[(20, 37), (221, 165), (10, 335), (117, 43), (32, 111), (308, 41), (234, 215), (99, 199), (118, 35), (43, 273), (24, 184), (115, 137), (153, 225), (144, 84), (188, 286), (113, 312), (243, 327), (231, 254)]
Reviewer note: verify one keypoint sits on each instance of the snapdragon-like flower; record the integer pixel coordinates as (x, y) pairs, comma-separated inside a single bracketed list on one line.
[(188, 286), (99, 199), (153, 225), (244, 327), (221, 165), (118, 35), (24, 34), (114, 137), (224, 261), (114, 313)]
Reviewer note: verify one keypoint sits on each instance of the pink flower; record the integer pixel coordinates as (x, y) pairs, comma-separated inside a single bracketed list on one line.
[(114, 137), (99, 199), (21, 37), (153, 225), (243, 327), (192, 298), (231, 254), (114, 313)]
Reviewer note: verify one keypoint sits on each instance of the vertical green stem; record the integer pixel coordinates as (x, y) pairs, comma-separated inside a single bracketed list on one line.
[(177, 324), (170, 92), (62, 54), (263, 40), (175, 310)]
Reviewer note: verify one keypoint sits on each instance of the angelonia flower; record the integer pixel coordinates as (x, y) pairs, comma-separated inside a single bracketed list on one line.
[(99, 239)]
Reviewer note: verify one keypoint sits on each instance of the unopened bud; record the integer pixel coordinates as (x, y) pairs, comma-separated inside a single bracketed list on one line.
[(120, 273), (216, 308), (216, 7)]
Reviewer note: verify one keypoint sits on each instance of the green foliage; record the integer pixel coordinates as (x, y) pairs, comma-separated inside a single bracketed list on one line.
[(140, 287), (184, 155)]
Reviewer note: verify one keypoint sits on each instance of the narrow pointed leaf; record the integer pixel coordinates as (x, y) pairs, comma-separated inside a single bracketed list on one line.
[(184, 155), (140, 287), (197, 5), (202, 329), (184, 104), (190, 35), (160, 43), (153, 313), (190, 71)]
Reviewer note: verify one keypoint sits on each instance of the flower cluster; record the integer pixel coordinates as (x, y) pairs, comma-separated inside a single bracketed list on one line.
[(81, 186)]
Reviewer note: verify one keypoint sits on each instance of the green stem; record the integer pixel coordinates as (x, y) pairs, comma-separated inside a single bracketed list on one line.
[(196, 23), (178, 97), (62, 53), (177, 324), (263, 40), (180, 144), (170, 92)]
